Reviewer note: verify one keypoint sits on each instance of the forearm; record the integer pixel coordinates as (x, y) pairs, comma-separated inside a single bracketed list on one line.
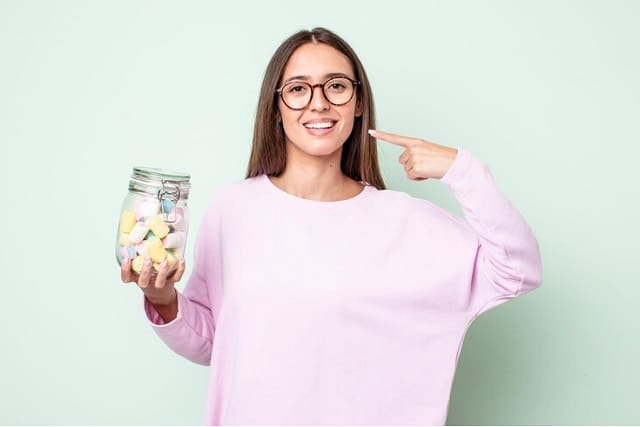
[(187, 328), (508, 261)]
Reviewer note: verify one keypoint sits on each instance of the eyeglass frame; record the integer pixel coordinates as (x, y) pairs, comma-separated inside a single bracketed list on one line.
[(313, 91)]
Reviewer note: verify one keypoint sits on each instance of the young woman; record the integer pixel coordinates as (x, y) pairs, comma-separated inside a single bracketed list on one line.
[(319, 297)]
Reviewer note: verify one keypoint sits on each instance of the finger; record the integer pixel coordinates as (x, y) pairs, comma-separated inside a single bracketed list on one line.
[(177, 275), (161, 278), (404, 157), (403, 141), (415, 177), (408, 167), (125, 271), (145, 274), (411, 174)]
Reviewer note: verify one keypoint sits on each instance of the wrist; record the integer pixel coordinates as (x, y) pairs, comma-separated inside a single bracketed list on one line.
[(167, 308), (450, 158), (164, 300)]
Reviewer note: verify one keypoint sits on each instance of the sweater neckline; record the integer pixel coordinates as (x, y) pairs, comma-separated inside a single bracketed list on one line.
[(278, 191)]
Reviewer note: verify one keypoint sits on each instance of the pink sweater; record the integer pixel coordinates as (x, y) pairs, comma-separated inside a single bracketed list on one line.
[(349, 312)]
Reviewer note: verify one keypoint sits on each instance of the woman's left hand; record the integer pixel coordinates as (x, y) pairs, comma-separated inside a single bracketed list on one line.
[(421, 159)]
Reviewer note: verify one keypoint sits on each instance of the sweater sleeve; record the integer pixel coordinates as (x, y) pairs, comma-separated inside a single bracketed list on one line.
[(507, 262), (191, 333)]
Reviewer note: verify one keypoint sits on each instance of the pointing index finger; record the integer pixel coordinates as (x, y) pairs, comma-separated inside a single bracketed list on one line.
[(403, 141)]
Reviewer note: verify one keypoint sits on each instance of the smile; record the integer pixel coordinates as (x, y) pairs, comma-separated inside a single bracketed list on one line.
[(320, 125)]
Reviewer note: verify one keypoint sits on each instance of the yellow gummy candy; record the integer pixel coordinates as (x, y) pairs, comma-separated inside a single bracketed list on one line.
[(156, 250), (127, 221), (124, 239), (137, 264), (158, 226), (172, 262)]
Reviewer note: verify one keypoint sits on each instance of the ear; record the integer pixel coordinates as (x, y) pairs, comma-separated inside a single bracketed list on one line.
[(358, 108)]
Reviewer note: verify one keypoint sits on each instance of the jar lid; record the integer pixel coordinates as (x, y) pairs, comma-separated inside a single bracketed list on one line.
[(159, 174), (160, 182)]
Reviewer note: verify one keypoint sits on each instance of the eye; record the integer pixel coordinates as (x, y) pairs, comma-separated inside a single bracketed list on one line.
[(296, 89), (339, 85)]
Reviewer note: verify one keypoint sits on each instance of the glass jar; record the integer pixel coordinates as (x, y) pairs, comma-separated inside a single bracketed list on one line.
[(154, 219)]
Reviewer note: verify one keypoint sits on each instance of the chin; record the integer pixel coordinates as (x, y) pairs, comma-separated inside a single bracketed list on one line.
[(317, 146), (322, 148)]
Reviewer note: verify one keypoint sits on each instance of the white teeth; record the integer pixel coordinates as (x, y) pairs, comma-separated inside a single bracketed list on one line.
[(323, 125)]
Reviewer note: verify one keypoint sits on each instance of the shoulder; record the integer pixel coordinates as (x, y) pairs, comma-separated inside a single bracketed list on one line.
[(402, 201), (236, 192), (415, 211), (238, 188)]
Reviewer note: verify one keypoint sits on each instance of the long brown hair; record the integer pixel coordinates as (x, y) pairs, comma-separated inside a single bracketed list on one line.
[(269, 154)]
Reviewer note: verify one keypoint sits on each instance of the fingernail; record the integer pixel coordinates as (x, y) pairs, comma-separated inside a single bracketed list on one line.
[(372, 132), (163, 264), (147, 262), (125, 260), (181, 262)]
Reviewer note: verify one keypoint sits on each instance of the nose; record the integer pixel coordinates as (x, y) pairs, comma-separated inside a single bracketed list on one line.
[(318, 101)]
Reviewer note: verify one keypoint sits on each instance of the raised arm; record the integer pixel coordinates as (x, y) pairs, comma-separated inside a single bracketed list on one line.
[(508, 262)]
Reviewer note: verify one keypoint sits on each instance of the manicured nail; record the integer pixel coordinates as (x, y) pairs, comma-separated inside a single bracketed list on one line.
[(147, 262), (372, 132), (125, 260)]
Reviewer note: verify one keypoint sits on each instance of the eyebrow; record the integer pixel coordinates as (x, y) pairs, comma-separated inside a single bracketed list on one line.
[(306, 77)]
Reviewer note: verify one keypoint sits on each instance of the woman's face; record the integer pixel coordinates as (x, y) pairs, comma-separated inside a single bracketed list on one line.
[(321, 128)]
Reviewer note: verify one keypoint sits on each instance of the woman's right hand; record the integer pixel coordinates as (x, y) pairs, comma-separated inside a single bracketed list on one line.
[(159, 288)]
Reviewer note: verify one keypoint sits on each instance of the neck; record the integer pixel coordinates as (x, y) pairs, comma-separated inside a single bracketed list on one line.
[(316, 178)]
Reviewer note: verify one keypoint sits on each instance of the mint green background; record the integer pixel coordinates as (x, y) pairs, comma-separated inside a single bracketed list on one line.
[(546, 93)]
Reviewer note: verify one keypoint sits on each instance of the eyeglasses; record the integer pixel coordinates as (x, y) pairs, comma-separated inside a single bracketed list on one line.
[(337, 90)]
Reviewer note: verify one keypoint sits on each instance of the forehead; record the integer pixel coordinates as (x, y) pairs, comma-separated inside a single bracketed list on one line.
[(317, 60)]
